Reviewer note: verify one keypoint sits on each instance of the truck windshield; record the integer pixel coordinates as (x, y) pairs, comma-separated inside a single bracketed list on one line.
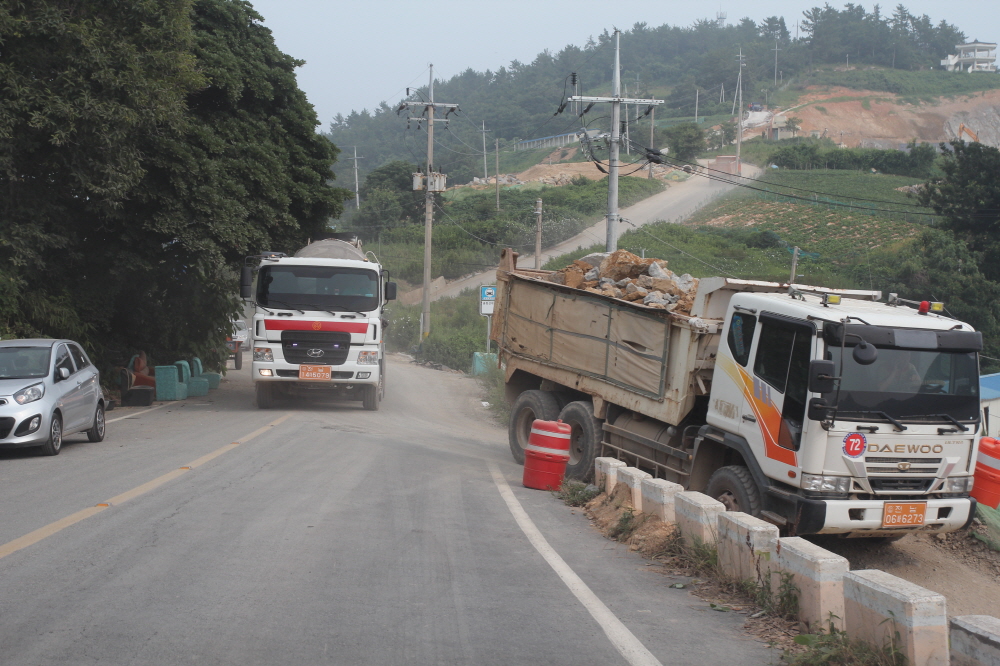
[(911, 385), (318, 288)]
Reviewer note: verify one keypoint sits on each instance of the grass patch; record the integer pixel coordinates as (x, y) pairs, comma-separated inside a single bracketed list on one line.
[(493, 383), (822, 109), (627, 524), (577, 493), (836, 648), (920, 85)]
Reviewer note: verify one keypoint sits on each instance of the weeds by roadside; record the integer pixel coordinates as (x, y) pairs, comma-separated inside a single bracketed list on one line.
[(576, 493), (836, 648), (493, 384)]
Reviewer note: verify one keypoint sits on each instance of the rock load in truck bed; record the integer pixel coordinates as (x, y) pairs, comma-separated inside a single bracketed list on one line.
[(628, 277)]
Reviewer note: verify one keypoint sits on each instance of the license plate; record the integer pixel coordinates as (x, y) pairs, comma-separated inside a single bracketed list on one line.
[(314, 372), (903, 514)]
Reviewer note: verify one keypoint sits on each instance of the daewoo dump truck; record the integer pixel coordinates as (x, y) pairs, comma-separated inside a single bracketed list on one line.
[(317, 324), (818, 410)]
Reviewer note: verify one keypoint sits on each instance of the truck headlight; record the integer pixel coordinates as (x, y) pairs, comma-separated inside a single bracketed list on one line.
[(263, 354), (29, 394), (958, 484), (826, 484), (368, 358)]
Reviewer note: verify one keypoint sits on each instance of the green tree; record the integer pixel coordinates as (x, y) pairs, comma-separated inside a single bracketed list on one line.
[(968, 198), (685, 141), (380, 210), (396, 177), (793, 124)]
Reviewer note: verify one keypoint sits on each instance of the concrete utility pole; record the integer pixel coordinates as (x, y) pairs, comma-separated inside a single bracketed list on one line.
[(739, 130), (496, 153), (696, 91), (538, 234), (776, 49), (652, 138), (616, 101), (357, 195), (795, 266), (485, 173), (434, 183)]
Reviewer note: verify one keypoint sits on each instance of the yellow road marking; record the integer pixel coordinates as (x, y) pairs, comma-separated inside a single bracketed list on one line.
[(34, 537)]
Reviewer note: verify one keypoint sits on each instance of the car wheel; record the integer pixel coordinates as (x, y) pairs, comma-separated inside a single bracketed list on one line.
[(54, 445), (96, 432), (238, 358)]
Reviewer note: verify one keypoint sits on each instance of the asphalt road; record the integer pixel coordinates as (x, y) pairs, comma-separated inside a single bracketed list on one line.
[(319, 533)]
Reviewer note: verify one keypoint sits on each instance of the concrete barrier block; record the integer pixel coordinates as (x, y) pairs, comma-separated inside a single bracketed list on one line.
[(606, 473), (746, 546), (632, 478), (658, 498), (975, 640), (697, 517), (878, 606), (819, 576)]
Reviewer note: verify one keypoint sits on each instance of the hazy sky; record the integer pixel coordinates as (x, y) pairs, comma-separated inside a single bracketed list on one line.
[(362, 52)]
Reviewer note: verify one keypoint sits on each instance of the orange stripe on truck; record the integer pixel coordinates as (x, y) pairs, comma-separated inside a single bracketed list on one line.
[(300, 325)]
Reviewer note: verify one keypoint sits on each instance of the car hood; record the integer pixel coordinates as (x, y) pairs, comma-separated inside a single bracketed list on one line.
[(10, 386)]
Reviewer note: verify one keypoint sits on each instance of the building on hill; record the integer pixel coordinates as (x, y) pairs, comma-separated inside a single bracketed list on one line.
[(975, 56)]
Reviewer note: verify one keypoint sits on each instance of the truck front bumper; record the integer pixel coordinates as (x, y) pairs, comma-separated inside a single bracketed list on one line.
[(860, 518), (347, 373)]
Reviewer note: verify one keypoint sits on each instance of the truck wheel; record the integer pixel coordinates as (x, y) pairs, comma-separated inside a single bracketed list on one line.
[(585, 439), (238, 359), (372, 398), (735, 487), (528, 406), (265, 395)]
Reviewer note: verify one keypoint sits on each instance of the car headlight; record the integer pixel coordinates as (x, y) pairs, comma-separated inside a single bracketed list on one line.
[(263, 354), (826, 484), (958, 484), (30, 394), (368, 358)]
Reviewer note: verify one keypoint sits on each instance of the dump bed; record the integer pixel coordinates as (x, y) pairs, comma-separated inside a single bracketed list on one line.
[(642, 358)]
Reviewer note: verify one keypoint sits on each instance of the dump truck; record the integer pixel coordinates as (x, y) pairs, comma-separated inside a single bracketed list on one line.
[(822, 411), (318, 322)]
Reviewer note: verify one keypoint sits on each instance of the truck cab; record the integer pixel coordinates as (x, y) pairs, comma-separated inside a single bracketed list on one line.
[(318, 324), (851, 416)]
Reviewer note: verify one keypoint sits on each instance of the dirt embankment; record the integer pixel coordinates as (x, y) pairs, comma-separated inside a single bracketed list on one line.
[(879, 119)]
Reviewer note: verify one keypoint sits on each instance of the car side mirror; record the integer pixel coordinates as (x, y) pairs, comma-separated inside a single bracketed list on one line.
[(390, 291), (822, 376), (62, 373), (246, 282)]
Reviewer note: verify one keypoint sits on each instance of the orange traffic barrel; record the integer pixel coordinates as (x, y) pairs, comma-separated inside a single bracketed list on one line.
[(986, 487), (546, 455)]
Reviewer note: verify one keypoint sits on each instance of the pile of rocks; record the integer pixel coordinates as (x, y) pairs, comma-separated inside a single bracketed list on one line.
[(628, 277)]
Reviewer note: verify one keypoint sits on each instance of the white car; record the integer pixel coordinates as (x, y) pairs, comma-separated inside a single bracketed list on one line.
[(48, 389)]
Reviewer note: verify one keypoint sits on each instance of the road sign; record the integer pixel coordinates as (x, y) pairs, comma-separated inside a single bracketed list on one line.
[(487, 297)]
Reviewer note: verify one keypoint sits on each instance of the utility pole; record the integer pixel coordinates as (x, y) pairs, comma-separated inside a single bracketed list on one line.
[(485, 173), (652, 138), (496, 153), (739, 131), (616, 100), (357, 195), (434, 183), (795, 265), (538, 234), (696, 91), (776, 49)]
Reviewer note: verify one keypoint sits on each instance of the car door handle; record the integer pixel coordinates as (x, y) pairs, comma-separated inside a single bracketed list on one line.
[(750, 417)]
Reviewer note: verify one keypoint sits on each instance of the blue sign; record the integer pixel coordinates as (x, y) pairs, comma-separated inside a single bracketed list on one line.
[(488, 293)]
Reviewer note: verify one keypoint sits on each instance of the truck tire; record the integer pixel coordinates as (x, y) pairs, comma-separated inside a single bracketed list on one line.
[(265, 395), (238, 359), (585, 439), (528, 406), (372, 397), (735, 487)]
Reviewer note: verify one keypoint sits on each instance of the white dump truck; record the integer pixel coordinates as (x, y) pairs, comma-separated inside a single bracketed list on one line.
[(821, 411), (317, 324)]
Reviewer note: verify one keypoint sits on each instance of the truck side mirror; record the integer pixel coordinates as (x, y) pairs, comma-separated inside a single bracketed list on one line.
[(246, 282), (864, 353), (390, 291), (818, 410), (822, 376)]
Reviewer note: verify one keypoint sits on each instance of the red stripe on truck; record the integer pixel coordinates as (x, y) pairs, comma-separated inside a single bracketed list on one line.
[(299, 325)]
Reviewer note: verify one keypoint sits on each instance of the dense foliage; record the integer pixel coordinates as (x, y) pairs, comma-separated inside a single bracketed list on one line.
[(147, 146), (917, 160)]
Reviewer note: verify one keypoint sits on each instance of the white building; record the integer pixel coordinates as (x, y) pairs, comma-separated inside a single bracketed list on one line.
[(975, 56)]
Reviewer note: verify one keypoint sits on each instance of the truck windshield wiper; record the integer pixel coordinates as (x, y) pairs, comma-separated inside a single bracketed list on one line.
[(288, 306), (899, 426), (947, 417)]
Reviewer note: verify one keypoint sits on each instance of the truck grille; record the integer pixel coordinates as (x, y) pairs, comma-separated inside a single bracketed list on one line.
[(6, 424), (907, 485), (303, 347)]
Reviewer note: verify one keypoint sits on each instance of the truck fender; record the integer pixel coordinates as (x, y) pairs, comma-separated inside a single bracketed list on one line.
[(711, 447)]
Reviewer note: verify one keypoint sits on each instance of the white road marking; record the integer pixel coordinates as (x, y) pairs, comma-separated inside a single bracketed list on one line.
[(135, 414), (634, 652)]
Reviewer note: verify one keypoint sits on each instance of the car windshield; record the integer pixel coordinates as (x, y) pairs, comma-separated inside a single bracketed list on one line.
[(318, 288), (910, 385), (24, 362), (239, 326)]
